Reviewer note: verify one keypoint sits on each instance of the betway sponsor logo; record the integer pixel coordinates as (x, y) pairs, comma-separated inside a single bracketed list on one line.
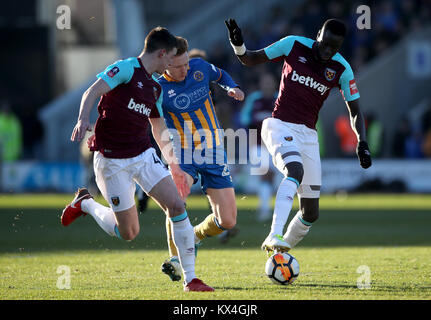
[(141, 108), (309, 82)]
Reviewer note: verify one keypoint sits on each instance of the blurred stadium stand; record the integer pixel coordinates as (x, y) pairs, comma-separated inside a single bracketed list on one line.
[(195, 15), (391, 85), (392, 63)]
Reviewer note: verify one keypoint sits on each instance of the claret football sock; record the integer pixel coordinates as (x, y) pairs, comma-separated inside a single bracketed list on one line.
[(297, 230), (283, 204), (104, 216), (182, 232)]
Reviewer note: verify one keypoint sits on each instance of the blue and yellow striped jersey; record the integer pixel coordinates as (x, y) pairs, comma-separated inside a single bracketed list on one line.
[(189, 112)]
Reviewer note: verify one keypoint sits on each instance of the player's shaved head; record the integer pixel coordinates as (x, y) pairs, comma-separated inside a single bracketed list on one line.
[(330, 38), (336, 27)]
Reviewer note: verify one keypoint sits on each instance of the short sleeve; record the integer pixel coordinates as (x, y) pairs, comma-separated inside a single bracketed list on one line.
[(283, 46), (158, 111), (347, 84), (117, 73), (280, 48), (159, 108), (215, 73)]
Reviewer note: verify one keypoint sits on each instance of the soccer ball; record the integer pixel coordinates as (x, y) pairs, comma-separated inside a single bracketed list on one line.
[(282, 268)]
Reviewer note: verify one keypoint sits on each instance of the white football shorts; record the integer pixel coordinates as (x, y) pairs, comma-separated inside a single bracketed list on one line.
[(289, 142), (117, 178)]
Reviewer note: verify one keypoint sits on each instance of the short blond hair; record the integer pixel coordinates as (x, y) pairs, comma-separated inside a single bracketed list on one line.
[(182, 45)]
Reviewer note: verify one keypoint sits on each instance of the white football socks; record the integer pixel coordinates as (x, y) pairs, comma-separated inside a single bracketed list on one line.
[(184, 239), (283, 204), (104, 216), (297, 230)]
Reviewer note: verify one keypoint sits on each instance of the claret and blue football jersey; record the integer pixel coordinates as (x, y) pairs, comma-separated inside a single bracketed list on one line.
[(122, 126), (305, 82)]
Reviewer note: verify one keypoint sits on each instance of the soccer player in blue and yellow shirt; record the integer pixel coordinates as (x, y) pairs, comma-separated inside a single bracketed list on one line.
[(198, 141)]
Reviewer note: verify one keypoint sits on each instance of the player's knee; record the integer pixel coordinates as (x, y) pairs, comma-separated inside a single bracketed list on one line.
[(295, 170), (176, 207), (228, 222), (227, 216), (130, 233)]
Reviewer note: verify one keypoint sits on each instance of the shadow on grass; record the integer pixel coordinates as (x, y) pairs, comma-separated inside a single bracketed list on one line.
[(39, 230), (373, 286)]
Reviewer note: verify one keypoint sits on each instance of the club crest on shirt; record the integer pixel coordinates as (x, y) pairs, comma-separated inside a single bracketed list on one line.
[(115, 201), (330, 74), (113, 72), (288, 138), (198, 75)]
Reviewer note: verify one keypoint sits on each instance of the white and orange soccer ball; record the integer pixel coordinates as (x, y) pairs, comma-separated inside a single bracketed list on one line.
[(282, 268)]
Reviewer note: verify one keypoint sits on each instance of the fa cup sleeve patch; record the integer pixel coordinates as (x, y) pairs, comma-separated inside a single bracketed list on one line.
[(353, 87), (113, 72)]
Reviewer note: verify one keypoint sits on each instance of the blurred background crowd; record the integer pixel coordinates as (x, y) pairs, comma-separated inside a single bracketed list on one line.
[(47, 68), (391, 21)]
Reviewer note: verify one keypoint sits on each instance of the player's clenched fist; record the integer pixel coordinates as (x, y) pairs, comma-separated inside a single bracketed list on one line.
[(364, 154)]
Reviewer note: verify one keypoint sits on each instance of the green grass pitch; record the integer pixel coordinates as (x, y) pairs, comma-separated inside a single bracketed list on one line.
[(389, 234)]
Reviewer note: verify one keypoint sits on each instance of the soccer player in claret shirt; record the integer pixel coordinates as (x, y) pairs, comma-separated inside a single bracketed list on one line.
[(198, 140), (311, 69), (131, 101)]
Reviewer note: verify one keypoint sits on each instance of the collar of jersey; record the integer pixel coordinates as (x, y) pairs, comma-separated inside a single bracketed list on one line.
[(169, 78)]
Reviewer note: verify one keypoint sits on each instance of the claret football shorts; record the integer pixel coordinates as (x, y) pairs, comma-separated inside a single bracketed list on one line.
[(290, 142), (117, 178)]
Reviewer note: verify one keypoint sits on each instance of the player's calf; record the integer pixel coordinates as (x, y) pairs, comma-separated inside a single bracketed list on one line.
[(310, 216), (127, 223)]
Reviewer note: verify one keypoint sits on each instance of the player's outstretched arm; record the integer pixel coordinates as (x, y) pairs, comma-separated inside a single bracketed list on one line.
[(97, 89), (247, 57), (161, 135), (358, 125)]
